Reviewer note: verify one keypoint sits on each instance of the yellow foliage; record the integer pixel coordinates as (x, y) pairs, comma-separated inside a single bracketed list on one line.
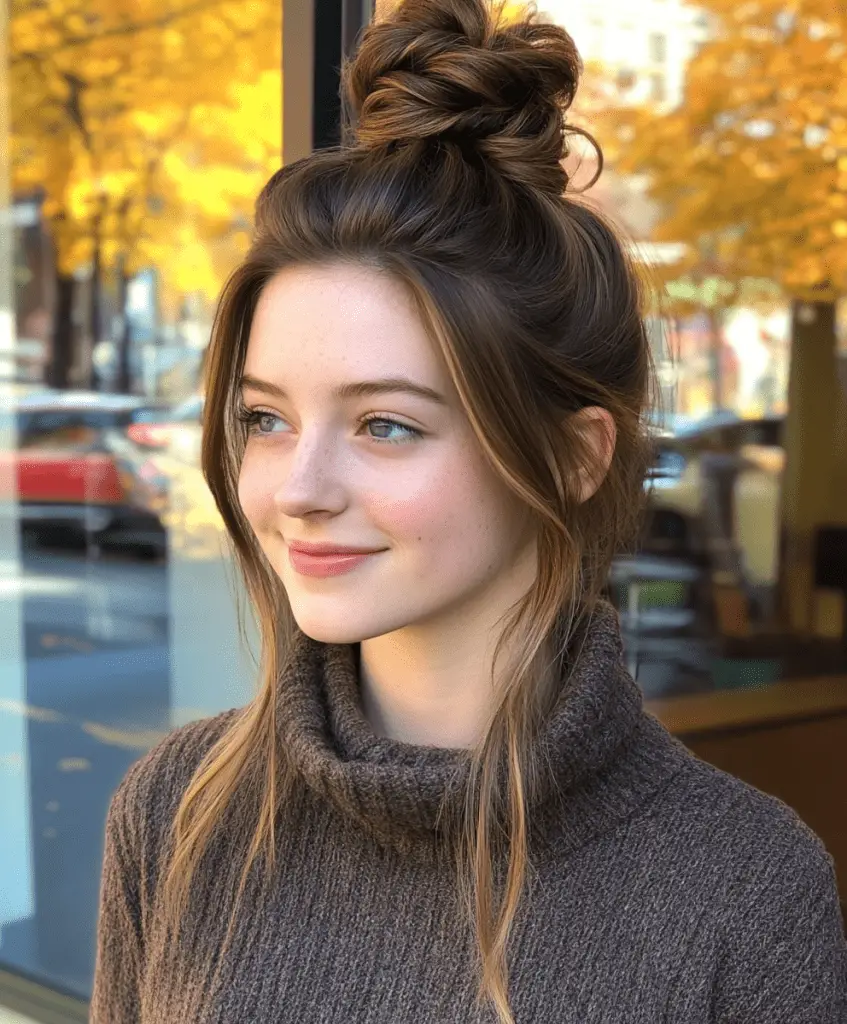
[(754, 161), (510, 10), (148, 126)]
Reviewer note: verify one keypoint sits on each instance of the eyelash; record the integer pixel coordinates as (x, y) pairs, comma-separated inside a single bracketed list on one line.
[(251, 417)]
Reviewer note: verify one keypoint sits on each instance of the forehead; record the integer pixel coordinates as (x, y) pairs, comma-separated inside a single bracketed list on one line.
[(337, 322)]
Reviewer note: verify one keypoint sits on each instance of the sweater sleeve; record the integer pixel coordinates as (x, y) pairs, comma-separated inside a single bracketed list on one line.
[(117, 971), (138, 817), (783, 957)]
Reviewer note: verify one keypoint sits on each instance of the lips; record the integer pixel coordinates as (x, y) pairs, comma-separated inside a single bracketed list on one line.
[(325, 565), (326, 550)]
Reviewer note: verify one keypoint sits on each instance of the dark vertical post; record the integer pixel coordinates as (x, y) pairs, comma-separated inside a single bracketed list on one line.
[(316, 34), (355, 15), (326, 114)]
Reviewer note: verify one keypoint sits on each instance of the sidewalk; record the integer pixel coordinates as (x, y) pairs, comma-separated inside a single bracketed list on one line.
[(7, 1017)]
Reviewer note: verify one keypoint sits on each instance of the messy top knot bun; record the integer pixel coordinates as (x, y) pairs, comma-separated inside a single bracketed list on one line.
[(449, 70)]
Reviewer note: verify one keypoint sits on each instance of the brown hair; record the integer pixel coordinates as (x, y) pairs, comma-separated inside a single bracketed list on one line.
[(452, 181)]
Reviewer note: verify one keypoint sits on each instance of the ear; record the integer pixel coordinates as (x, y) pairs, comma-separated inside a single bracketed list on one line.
[(597, 429)]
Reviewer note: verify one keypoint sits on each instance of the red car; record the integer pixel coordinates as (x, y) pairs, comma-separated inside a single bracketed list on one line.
[(68, 463)]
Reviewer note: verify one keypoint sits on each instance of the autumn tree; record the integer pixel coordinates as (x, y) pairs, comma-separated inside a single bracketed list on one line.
[(147, 126), (751, 170)]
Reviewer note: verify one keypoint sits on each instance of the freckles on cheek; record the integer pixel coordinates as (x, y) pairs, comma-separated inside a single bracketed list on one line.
[(254, 495), (424, 516), (413, 515)]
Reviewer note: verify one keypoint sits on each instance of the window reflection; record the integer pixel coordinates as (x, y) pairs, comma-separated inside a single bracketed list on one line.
[(140, 136)]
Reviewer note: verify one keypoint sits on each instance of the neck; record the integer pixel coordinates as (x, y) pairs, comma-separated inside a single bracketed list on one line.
[(426, 694), (430, 684)]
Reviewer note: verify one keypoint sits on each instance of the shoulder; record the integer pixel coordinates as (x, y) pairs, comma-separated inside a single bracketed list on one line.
[(739, 810), (749, 844), (764, 889), (703, 808), (147, 796)]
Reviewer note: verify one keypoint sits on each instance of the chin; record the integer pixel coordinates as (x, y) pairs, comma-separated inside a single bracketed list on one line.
[(348, 629), (326, 631)]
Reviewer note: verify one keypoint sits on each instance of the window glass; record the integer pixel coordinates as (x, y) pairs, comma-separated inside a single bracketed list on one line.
[(746, 496), (139, 137)]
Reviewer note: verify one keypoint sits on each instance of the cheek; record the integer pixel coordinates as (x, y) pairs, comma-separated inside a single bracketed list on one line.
[(408, 517), (254, 494), (450, 510)]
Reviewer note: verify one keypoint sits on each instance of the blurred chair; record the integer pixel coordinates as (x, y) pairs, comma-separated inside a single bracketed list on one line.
[(659, 602)]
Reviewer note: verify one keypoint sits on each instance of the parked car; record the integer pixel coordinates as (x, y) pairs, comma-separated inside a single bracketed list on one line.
[(157, 428), (68, 463), (176, 431), (186, 430), (676, 493)]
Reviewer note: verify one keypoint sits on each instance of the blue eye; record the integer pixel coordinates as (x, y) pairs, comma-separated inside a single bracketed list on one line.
[(415, 434), (252, 418)]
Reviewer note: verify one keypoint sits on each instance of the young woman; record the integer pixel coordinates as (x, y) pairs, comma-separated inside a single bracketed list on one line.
[(424, 432)]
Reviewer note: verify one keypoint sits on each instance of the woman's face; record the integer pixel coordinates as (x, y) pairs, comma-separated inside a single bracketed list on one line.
[(453, 540)]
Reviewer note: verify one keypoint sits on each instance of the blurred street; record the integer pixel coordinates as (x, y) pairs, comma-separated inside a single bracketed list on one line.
[(98, 679)]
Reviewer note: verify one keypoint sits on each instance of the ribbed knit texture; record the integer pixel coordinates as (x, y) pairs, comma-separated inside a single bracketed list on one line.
[(662, 890)]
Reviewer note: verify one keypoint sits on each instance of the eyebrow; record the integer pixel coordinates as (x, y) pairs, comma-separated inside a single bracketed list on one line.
[(352, 389)]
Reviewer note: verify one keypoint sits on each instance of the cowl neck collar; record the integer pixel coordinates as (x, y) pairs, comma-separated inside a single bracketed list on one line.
[(605, 754)]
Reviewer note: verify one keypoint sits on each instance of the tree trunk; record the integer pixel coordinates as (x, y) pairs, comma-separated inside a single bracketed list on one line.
[(96, 311), (122, 382), (816, 463), (713, 320), (62, 340)]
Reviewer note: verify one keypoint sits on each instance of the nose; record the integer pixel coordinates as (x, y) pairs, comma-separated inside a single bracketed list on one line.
[(310, 478)]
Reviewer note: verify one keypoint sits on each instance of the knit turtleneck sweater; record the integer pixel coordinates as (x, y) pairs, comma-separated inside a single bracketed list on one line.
[(660, 888)]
